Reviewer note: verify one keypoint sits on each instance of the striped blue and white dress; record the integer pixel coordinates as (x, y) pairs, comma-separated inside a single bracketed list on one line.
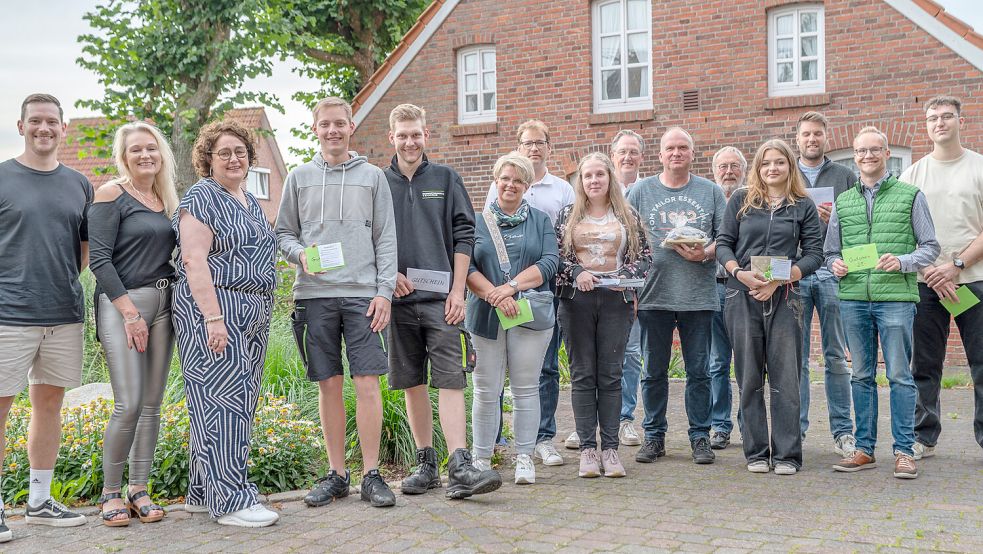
[(222, 389)]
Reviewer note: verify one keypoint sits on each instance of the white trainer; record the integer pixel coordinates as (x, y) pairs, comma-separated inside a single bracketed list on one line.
[(627, 434), (922, 451), (782, 468), (758, 466), (845, 445), (548, 454), (481, 464), (572, 442), (254, 516), (525, 471)]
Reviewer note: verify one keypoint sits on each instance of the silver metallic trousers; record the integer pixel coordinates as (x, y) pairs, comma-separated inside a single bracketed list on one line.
[(138, 381)]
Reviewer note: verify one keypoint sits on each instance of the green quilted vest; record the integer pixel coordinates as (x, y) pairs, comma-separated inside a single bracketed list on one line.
[(889, 228)]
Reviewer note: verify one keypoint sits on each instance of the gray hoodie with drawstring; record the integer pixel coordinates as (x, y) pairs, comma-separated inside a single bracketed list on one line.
[(348, 203)]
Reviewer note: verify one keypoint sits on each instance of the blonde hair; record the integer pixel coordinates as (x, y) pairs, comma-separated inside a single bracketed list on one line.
[(332, 101), (407, 112), (616, 200), (757, 190), (532, 124), (871, 130), (520, 163), (164, 180)]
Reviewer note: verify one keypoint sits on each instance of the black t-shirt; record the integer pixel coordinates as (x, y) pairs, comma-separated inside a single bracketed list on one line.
[(43, 219)]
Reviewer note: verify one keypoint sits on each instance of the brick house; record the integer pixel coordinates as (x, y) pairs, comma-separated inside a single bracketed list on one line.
[(732, 73), (265, 179)]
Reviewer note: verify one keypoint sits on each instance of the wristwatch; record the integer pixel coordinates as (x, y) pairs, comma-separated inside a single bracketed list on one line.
[(958, 262), (514, 284)]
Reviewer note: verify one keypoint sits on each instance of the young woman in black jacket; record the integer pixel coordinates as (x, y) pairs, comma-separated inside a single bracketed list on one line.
[(773, 217)]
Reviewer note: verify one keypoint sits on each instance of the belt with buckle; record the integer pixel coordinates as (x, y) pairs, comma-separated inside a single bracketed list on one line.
[(162, 284)]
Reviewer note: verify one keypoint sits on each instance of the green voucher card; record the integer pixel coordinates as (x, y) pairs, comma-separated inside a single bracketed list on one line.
[(860, 257), (966, 301), (324, 257), (525, 315)]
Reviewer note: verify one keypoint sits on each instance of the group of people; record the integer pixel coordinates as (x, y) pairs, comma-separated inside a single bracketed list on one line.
[(612, 266)]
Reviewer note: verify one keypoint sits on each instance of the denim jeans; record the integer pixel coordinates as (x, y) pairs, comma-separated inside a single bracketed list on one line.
[(766, 338), (821, 291), (597, 323), (549, 386), (631, 370), (720, 355), (694, 336), (931, 333), (890, 323)]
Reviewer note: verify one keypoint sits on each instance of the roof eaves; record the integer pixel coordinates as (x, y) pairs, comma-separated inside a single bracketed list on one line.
[(948, 29)]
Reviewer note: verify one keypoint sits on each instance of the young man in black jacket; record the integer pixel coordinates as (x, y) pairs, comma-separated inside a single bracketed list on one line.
[(435, 230)]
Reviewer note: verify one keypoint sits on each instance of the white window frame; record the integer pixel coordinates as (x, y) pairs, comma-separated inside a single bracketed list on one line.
[(797, 86), (260, 173), (623, 104), (846, 154), (482, 115)]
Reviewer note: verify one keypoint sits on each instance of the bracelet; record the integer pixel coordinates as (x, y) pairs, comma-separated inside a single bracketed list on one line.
[(214, 318), (735, 271), (134, 319)]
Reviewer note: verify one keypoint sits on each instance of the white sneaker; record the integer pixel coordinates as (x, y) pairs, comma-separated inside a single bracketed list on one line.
[(758, 466), (782, 468), (572, 442), (481, 464), (196, 508), (628, 435), (525, 471), (922, 451), (845, 445), (548, 454), (254, 516)]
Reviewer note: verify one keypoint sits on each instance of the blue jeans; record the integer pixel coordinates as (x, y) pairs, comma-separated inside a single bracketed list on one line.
[(720, 354), (631, 370), (890, 323), (694, 336), (549, 387), (821, 291)]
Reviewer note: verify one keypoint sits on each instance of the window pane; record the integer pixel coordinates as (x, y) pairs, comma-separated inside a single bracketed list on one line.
[(611, 84), (488, 80), (489, 98), (783, 25), (471, 103), (470, 83), (610, 51), (785, 73), (638, 48), (784, 50), (894, 165), (809, 46), (638, 82), (637, 17), (471, 63), (810, 70), (808, 22), (488, 60), (611, 17)]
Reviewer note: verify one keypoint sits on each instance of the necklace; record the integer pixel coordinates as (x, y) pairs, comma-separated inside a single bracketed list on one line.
[(150, 204)]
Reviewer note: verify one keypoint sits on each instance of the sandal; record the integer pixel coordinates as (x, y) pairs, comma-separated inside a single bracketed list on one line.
[(143, 512), (110, 518)]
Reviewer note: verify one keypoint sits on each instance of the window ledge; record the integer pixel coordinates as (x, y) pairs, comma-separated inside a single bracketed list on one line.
[(468, 129), (801, 101), (621, 117)]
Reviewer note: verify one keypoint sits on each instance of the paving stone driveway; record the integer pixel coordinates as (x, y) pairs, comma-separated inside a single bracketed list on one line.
[(669, 505)]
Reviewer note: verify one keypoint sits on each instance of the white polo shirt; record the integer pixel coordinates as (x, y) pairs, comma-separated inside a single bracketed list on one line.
[(550, 194)]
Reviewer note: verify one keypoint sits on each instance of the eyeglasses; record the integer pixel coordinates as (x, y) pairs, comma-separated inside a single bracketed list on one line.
[(510, 181), (946, 117), (735, 167), (626, 153), (540, 144), (874, 151), (226, 154)]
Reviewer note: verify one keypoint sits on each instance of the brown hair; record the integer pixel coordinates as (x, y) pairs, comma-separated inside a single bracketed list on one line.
[(532, 124), (332, 101), (209, 135), (814, 117), (944, 101), (757, 190), (40, 98), (407, 112), (616, 200)]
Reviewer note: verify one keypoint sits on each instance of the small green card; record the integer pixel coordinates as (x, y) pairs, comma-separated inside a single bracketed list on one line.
[(324, 257), (860, 257), (966, 301), (525, 315)]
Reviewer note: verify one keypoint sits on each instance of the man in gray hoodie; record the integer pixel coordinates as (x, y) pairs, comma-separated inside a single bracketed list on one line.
[(340, 205)]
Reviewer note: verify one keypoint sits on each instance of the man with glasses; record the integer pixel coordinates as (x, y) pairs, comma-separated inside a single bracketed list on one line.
[(827, 180), (627, 153), (878, 304), (951, 177), (549, 194), (729, 169)]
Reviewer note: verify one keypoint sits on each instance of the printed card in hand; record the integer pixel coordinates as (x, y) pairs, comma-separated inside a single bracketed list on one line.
[(762, 265), (324, 257), (525, 315)]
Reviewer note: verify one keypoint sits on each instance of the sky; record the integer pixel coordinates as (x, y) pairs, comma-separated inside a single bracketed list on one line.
[(43, 34)]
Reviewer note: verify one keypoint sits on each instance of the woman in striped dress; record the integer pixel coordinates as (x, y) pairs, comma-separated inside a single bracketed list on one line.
[(222, 305)]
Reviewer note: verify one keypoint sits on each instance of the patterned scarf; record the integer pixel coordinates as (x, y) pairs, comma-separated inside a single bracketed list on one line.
[(506, 220)]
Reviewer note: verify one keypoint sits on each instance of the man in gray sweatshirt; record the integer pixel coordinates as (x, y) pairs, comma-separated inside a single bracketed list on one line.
[(341, 205)]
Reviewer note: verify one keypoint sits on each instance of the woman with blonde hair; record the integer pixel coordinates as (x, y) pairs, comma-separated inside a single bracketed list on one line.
[(604, 256), (131, 243), (772, 218)]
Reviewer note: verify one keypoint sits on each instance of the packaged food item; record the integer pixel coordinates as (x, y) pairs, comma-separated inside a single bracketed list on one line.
[(684, 234)]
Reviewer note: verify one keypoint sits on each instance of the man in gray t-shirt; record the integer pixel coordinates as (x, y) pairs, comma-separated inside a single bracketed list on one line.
[(44, 246), (679, 293)]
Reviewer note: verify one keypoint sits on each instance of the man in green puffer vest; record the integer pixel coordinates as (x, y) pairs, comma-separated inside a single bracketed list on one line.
[(878, 305)]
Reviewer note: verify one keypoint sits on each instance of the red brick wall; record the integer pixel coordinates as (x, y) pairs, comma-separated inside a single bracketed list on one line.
[(880, 68)]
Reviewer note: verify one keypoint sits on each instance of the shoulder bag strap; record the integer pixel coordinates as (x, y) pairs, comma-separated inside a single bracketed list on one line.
[(496, 236)]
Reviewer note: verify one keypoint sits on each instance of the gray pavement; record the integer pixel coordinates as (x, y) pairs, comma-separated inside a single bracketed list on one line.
[(671, 505)]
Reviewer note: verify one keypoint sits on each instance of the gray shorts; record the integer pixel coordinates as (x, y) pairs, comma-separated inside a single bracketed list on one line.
[(319, 324), (40, 356), (419, 334)]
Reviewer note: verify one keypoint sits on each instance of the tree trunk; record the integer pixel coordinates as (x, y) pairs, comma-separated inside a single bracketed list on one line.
[(182, 144)]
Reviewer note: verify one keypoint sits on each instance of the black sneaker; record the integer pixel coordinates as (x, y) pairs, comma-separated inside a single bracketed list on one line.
[(328, 488), (426, 476), (464, 480), (375, 490), (5, 533), (651, 451), (719, 440), (54, 514), (702, 454)]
